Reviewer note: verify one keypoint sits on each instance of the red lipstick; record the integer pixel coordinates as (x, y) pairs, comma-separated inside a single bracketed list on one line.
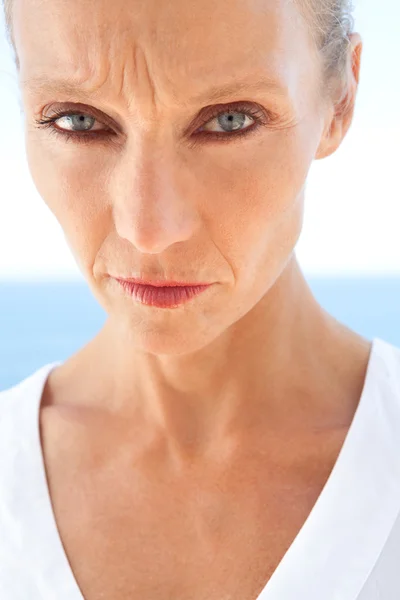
[(162, 294)]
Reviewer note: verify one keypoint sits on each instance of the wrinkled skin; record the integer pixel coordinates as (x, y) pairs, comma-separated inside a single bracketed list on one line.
[(162, 197)]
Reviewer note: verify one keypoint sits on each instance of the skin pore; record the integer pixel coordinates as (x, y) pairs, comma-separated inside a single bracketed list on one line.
[(250, 373)]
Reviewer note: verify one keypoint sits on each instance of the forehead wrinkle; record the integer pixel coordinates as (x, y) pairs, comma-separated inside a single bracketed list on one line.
[(128, 69), (118, 76), (218, 92)]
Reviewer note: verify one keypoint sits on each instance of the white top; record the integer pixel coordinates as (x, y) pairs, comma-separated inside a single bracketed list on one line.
[(347, 549)]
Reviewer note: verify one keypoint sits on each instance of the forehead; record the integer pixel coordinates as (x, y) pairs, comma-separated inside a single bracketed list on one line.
[(181, 42)]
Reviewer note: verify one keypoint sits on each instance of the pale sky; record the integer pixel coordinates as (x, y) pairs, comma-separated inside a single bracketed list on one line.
[(352, 214)]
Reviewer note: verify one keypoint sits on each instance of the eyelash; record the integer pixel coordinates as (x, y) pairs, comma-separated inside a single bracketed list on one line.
[(257, 114)]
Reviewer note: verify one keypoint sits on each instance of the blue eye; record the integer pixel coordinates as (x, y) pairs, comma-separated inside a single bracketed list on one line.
[(76, 126), (226, 124), (86, 122), (229, 122)]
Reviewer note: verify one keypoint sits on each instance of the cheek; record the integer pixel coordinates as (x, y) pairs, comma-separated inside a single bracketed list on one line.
[(74, 192), (257, 207)]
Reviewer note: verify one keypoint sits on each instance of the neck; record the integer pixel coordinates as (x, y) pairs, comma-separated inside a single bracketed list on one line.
[(275, 366)]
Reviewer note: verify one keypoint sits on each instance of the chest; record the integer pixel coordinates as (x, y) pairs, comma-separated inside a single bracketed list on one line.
[(169, 547), (130, 532)]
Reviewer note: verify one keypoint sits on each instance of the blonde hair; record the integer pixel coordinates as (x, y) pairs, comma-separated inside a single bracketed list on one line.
[(331, 23)]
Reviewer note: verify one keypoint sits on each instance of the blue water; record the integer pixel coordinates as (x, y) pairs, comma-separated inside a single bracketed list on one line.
[(46, 322)]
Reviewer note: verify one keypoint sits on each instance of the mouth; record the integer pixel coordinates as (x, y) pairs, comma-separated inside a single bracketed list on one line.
[(162, 294)]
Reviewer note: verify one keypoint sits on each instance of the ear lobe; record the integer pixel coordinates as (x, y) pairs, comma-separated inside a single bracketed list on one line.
[(339, 123), (331, 139)]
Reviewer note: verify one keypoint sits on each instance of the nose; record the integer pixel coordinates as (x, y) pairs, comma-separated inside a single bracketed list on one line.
[(150, 207)]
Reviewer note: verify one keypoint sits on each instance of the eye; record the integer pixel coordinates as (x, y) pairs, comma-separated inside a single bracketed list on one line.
[(76, 122), (75, 126), (228, 122), (222, 123)]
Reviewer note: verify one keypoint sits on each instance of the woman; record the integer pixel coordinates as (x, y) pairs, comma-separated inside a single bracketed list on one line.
[(222, 437)]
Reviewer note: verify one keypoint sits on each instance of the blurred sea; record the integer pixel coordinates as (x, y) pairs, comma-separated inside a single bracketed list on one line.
[(47, 322)]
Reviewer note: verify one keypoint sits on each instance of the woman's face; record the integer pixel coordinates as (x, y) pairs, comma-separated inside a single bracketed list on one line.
[(152, 178)]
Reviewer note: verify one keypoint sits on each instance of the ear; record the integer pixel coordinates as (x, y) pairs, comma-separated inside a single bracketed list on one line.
[(342, 110)]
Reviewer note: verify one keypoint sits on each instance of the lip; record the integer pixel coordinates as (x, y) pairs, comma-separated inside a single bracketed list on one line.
[(161, 294), (160, 282)]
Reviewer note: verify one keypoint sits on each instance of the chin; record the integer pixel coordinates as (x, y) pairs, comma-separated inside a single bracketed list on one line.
[(172, 334), (181, 330)]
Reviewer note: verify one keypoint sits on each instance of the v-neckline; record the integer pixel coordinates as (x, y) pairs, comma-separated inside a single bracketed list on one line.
[(337, 545)]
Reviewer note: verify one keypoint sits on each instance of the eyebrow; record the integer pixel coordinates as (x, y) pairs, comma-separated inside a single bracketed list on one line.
[(71, 87), (219, 92)]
